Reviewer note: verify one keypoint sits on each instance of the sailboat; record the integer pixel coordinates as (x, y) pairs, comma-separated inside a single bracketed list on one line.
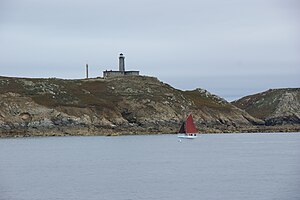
[(188, 129)]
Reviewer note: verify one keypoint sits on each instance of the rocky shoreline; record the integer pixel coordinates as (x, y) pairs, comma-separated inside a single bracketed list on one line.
[(109, 132)]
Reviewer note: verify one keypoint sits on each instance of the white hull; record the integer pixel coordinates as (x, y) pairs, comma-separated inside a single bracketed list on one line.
[(184, 136)]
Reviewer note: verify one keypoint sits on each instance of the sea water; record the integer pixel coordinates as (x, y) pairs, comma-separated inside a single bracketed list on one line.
[(213, 166)]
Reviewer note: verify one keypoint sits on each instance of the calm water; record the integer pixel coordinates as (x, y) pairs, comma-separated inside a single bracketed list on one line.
[(226, 166)]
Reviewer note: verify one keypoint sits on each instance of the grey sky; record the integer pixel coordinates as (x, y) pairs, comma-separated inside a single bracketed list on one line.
[(230, 47)]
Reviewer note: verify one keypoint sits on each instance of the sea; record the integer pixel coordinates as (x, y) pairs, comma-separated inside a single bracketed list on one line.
[(257, 166)]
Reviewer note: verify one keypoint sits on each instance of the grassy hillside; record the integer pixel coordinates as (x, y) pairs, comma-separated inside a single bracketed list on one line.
[(119, 105), (275, 106)]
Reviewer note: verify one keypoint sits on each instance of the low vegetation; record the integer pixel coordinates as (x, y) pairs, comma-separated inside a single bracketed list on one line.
[(123, 105)]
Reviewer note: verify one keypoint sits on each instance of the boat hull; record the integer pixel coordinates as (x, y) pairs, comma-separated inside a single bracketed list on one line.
[(184, 136)]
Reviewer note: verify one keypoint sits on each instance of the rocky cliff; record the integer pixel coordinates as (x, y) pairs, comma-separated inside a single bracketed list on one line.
[(275, 106), (120, 105)]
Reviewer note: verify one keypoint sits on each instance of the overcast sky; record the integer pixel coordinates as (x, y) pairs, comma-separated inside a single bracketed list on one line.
[(230, 47)]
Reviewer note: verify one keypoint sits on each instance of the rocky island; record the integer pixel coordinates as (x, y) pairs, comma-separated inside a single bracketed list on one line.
[(274, 107), (134, 105)]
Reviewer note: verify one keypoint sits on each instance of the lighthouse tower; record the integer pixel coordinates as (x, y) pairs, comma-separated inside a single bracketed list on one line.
[(121, 71), (121, 63)]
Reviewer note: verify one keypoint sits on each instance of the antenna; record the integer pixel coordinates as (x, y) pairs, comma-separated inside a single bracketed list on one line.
[(87, 70)]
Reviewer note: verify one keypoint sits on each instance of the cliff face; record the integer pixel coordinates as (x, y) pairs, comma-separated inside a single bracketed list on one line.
[(275, 106), (107, 106)]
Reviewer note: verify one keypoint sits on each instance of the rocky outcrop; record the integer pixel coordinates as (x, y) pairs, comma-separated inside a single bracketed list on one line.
[(275, 106), (150, 103), (119, 105)]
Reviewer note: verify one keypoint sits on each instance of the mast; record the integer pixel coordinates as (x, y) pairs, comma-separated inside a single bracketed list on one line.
[(87, 70)]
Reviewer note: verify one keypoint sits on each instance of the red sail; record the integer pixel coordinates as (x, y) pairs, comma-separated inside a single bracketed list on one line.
[(190, 126)]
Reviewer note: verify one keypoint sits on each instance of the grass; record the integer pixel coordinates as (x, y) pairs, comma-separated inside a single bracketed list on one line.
[(105, 95), (201, 101), (263, 104)]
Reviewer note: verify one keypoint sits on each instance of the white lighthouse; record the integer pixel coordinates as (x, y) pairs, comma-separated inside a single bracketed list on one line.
[(121, 63), (121, 72)]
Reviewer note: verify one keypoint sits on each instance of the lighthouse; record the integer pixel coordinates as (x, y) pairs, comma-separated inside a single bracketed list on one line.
[(121, 71), (121, 63)]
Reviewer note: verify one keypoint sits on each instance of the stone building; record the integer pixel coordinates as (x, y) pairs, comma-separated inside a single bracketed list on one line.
[(122, 71)]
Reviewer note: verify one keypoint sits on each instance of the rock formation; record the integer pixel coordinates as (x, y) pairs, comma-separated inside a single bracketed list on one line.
[(116, 105), (275, 106)]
